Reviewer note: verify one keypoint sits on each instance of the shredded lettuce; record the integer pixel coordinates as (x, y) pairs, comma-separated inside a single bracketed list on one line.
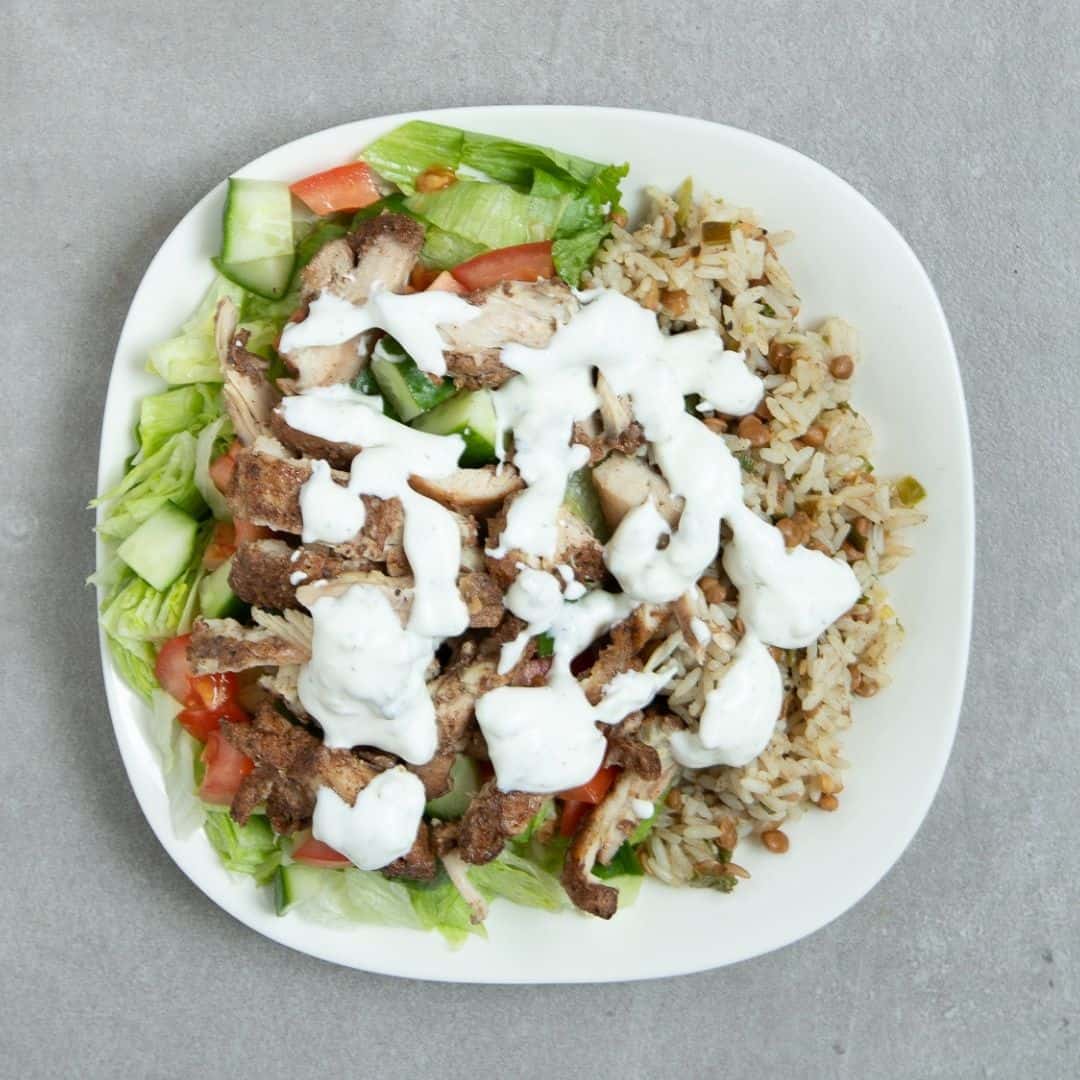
[(519, 880), (494, 215), (135, 662), (167, 475), (515, 162), (408, 150), (439, 906), (212, 441), (186, 408), (444, 250), (573, 254), (643, 828), (624, 863), (245, 849), (137, 612), (177, 751), (371, 898)]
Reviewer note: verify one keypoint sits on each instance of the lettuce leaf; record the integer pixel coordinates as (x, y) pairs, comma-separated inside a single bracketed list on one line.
[(408, 150), (136, 612), (624, 863), (245, 849), (371, 898), (187, 408), (177, 751), (444, 250), (515, 162), (520, 881), (573, 254), (439, 906), (212, 441), (167, 475), (493, 215), (135, 662)]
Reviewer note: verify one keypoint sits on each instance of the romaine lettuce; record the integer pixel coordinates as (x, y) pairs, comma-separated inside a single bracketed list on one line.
[(245, 849), (137, 612), (167, 475), (408, 150), (519, 880), (177, 751), (439, 906), (186, 408)]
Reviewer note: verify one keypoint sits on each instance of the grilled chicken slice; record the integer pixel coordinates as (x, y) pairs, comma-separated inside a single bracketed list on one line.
[(605, 828), (266, 491), (249, 395), (263, 574), (226, 645), (512, 312), (576, 547), (384, 250), (624, 482), (339, 455), (622, 653), (471, 491), (290, 766), (492, 818)]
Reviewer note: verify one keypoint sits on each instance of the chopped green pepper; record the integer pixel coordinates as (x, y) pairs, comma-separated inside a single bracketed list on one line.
[(909, 491), (716, 232)]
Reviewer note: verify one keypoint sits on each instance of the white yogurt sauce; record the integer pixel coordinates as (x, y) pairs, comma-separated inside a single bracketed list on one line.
[(364, 682), (379, 827), (330, 513), (545, 738), (642, 809), (740, 712), (412, 319), (536, 598)]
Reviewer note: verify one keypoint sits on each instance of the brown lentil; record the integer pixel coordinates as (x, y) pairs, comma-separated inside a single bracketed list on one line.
[(620, 218), (829, 802), (763, 410), (861, 527), (776, 841), (754, 431), (842, 366), (435, 179), (729, 836), (780, 357), (715, 591), (814, 436), (716, 423)]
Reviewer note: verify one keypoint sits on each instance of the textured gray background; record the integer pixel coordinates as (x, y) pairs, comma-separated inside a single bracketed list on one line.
[(958, 121)]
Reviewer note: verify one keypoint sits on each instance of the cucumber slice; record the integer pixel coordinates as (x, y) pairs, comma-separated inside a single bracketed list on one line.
[(258, 221), (268, 278), (409, 390), (160, 549), (216, 598), (295, 884), (464, 784), (470, 414)]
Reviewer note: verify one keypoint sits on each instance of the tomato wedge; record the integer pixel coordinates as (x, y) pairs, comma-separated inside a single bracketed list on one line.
[(594, 791), (222, 468), (211, 691), (199, 723), (221, 546), (524, 262), (226, 768), (572, 813), (172, 669), (314, 852), (421, 277), (348, 187)]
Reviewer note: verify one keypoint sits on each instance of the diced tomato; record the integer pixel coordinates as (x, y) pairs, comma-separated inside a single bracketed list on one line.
[(222, 468), (595, 789), (422, 277), (221, 546), (226, 768), (172, 669), (315, 853), (348, 187), (211, 691), (446, 282), (199, 722), (246, 531), (523, 262), (572, 813)]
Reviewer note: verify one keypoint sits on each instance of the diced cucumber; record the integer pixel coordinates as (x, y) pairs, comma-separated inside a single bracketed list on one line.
[(409, 390), (582, 500), (268, 278), (258, 221), (464, 784), (470, 414), (160, 549), (296, 883), (216, 598), (258, 250)]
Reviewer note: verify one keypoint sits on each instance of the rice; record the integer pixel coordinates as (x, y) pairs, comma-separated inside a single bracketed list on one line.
[(736, 284)]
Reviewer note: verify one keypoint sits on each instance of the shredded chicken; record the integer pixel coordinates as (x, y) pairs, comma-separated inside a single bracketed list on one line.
[(604, 828), (226, 645), (249, 395), (623, 482)]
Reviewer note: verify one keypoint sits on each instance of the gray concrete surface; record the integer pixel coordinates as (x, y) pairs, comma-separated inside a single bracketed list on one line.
[(958, 121)]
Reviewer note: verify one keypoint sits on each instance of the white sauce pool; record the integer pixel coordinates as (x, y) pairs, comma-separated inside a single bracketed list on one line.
[(380, 827)]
